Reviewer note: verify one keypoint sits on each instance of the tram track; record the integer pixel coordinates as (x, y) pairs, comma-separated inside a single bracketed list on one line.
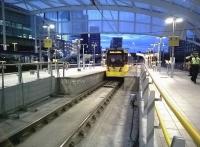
[(33, 127), (76, 134), (87, 123)]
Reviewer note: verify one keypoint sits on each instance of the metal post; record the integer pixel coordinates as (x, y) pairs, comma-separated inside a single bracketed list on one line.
[(35, 30), (172, 58), (23, 108), (79, 57), (38, 71), (83, 56), (19, 73), (49, 58), (14, 45), (51, 78), (136, 69), (40, 52), (4, 25), (178, 142), (3, 109), (150, 119), (64, 69), (57, 69), (94, 54), (51, 71), (159, 54)]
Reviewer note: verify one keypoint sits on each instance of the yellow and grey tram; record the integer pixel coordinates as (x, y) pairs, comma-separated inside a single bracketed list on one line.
[(117, 63)]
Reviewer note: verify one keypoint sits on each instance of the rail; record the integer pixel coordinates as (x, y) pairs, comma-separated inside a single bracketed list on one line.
[(90, 119), (17, 137), (191, 130)]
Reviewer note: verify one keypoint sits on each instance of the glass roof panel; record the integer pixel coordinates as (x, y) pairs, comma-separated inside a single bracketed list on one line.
[(127, 16), (73, 2), (88, 2), (158, 9), (184, 3), (94, 15), (11, 1), (123, 2), (25, 6), (107, 2), (110, 15), (197, 8), (40, 4), (55, 3), (142, 5)]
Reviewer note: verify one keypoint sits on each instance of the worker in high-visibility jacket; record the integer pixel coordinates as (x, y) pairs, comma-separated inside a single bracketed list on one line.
[(188, 63), (195, 64)]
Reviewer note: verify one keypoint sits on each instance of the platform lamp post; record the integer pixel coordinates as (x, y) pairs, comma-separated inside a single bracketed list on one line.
[(78, 45), (94, 45), (173, 21), (49, 27), (14, 44), (84, 54), (159, 51), (5, 46)]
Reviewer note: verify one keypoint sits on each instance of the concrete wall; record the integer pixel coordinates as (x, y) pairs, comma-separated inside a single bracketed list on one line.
[(131, 82), (27, 92), (74, 86), (40, 89)]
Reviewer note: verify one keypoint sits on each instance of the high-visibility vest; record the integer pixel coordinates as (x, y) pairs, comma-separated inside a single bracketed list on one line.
[(195, 60)]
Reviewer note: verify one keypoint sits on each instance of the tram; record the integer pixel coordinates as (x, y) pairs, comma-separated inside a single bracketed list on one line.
[(117, 63)]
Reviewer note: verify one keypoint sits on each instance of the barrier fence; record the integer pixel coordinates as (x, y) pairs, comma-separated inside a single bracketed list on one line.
[(149, 105), (23, 72)]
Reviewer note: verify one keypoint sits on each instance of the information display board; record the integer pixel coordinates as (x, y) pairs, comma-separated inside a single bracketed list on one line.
[(174, 40), (47, 43)]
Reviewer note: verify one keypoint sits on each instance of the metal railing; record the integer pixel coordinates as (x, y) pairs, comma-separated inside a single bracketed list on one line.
[(164, 130), (191, 130), (26, 72)]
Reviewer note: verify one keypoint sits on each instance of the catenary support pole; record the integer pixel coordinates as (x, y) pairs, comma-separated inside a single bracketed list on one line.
[(35, 33), (4, 25)]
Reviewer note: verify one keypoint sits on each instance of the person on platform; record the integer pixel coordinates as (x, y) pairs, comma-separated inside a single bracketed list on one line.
[(195, 64), (188, 60)]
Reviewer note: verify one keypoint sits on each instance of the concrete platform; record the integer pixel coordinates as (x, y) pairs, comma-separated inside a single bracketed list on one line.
[(32, 89), (186, 96), (12, 125), (11, 79), (76, 82)]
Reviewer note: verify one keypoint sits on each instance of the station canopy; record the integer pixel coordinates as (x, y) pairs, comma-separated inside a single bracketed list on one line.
[(123, 16)]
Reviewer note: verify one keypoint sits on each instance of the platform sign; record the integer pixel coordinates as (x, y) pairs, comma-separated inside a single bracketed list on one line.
[(47, 43), (174, 40)]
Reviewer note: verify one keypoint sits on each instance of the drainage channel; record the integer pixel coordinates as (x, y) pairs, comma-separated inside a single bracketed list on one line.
[(27, 131)]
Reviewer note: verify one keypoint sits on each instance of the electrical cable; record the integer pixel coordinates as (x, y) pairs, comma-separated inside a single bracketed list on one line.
[(134, 123), (94, 4)]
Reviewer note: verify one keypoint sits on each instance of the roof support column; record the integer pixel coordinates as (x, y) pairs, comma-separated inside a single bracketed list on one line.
[(4, 25)]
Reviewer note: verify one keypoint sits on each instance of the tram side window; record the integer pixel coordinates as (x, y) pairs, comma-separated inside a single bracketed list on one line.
[(125, 58)]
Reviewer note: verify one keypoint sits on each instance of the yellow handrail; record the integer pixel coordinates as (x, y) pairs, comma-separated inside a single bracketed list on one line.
[(162, 124), (192, 131)]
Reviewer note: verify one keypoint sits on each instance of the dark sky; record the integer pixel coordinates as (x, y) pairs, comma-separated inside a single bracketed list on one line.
[(134, 43)]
